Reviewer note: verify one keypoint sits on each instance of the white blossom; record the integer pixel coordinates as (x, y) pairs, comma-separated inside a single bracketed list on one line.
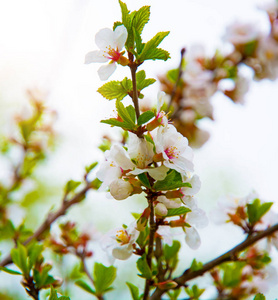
[(119, 242), (192, 238), (110, 44), (239, 33), (174, 148)]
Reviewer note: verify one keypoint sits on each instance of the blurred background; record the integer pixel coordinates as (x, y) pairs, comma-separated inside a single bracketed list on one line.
[(43, 44)]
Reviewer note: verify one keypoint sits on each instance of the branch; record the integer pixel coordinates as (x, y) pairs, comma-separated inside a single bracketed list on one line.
[(228, 256), (52, 217)]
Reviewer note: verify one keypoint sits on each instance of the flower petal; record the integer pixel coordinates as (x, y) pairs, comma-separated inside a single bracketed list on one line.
[(120, 36), (105, 39), (122, 252), (95, 56), (192, 238), (106, 71)]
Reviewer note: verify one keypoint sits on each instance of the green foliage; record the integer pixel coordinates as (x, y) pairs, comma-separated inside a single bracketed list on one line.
[(256, 210), (144, 180), (232, 273), (142, 238), (143, 267), (195, 265), (19, 257), (194, 292), (172, 181), (172, 75), (174, 294), (54, 296), (150, 50), (12, 272), (120, 89), (145, 117), (7, 230), (103, 278), (85, 286), (134, 291), (171, 254), (89, 168), (177, 211), (259, 297), (71, 186), (114, 90)]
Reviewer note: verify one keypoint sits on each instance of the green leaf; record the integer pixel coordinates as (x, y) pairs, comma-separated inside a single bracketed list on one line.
[(141, 18), (71, 186), (172, 181), (130, 109), (113, 90), (256, 210), (134, 290), (91, 166), (173, 75), (150, 50), (117, 123), (195, 265), (138, 42), (141, 80), (4, 269), (19, 257), (145, 117), (54, 296), (116, 24), (144, 180), (232, 273), (259, 297), (124, 114), (143, 267), (82, 284), (177, 211), (103, 277), (194, 292), (171, 251), (34, 252)]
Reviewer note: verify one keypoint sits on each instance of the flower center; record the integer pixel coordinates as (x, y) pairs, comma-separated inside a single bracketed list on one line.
[(113, 54), (122, 236), (172, 152)]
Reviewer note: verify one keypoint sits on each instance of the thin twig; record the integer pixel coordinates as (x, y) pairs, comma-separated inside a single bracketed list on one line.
[(228, 256), (51, 217)]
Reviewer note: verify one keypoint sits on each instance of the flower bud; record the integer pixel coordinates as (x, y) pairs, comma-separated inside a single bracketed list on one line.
[(161, 210), (166, 285), (120, 189)]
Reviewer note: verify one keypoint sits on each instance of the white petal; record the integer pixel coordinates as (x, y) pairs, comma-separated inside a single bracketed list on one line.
[(106, 71), (122, 252), (192, 238), (95, 56), (119, 155), (105, 39), (197, 217), (120, 35)]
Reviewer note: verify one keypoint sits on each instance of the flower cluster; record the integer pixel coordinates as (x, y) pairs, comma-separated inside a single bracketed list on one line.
[(202, 76), (158, 163)]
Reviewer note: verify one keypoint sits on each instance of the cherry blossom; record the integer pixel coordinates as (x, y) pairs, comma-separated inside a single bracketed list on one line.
[(174, 148), (110, 44), (119, 242)]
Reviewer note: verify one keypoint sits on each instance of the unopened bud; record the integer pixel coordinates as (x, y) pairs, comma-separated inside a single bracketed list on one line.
[(120, 189), (167, 285), (161, 210)]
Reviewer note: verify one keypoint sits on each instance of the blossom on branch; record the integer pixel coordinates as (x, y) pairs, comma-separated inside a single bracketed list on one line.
[(110, 44)]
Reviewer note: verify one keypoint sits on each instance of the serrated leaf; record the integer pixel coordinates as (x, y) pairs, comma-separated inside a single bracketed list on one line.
[(130, 109), (4, 269), (138, 42), (117, 123), (141, 18), (144, 179), (113, 90), (54, 296), (82, 284), (172, 181), (91, 166), (144, 268), (116, 24), (151, 51), (134, 290), (256, 210), (145, 117), (103, 277), (124, 114)]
